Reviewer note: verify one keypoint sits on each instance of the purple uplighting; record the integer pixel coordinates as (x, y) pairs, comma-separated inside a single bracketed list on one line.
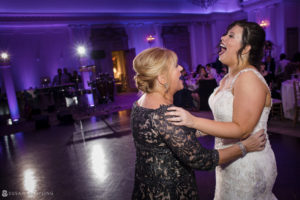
[(86, 78), (85, 115), (117, 6), (10, 91)]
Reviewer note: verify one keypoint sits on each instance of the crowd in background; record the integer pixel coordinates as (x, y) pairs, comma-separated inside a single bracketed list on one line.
[(64, 77), (198, 85), (277, 72)]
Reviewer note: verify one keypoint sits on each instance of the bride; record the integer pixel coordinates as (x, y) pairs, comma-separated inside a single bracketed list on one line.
[(241, 106)]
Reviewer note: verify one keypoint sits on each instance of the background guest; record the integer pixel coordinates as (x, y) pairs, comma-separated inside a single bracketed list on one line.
[(270, 67), (60, 78), (265, 73), (76, 78), (206, 85), (67, 74), (221, 74), (281, 64), (197, 72), (212, 73), (203, 75), (183, 98)]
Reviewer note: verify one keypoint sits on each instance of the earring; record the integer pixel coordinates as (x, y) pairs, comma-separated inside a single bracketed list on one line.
[(166, 85)]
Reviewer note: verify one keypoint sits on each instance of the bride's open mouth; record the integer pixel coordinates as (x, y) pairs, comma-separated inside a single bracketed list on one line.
[(222, 49)]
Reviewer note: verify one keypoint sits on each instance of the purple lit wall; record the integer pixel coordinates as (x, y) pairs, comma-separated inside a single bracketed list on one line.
[(117, 6), (86, 78), (137, 34), (274, 31), (37, 51), (10, 91), (41, 43), (280, 17)]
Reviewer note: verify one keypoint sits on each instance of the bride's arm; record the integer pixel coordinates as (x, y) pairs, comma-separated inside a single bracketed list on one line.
[(249, 100)]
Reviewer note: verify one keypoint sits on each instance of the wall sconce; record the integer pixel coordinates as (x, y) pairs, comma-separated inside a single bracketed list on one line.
[(150, 39), (264, 24)]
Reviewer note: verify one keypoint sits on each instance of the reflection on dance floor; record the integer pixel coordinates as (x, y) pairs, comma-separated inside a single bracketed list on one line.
[(62, 163)]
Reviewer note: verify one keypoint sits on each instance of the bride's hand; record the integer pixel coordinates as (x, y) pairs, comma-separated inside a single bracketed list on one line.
[(179, 116), (255, 142)]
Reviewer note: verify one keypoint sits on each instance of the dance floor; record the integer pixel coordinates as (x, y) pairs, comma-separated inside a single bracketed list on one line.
[(93, 158)]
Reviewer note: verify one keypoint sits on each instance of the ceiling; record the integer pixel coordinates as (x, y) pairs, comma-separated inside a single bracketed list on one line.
[(113, 6)]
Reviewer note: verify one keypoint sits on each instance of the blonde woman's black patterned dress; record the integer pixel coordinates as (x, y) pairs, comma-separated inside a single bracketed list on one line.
[(166, 156)]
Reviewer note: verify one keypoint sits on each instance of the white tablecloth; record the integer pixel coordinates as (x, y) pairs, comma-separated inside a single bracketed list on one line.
[(288, 99)]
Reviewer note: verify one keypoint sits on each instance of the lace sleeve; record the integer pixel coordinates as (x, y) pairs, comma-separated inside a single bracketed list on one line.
[(184, 144)]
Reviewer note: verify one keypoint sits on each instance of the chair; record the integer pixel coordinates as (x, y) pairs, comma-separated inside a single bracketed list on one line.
[(297, 101), (277, 108)]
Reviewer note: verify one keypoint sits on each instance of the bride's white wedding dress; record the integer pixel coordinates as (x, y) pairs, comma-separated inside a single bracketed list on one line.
[(251, 177)]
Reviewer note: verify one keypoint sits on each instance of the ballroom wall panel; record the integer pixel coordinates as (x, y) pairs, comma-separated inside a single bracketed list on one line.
[(40, 44), (36, 52)]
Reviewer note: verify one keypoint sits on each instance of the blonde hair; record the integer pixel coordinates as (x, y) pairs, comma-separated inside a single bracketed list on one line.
[(149, 64)]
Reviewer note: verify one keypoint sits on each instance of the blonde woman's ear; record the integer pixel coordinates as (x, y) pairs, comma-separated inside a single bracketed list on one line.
[(162, 79)]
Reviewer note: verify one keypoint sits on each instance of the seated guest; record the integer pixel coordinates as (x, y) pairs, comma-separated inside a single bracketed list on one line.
[(184, 77), (212, 73), (203, 75), (197, 72)]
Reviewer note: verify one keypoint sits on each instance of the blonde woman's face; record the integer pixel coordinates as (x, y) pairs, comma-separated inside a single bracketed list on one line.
[(175, 83), (230, 44)]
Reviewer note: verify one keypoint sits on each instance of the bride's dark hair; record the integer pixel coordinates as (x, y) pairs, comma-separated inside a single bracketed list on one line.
[(253, 35)]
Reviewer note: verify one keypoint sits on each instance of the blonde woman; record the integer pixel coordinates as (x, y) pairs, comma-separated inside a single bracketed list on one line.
[(166, 155)]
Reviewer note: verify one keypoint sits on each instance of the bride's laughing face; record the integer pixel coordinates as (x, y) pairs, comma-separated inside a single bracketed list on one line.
[(230, 45)]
